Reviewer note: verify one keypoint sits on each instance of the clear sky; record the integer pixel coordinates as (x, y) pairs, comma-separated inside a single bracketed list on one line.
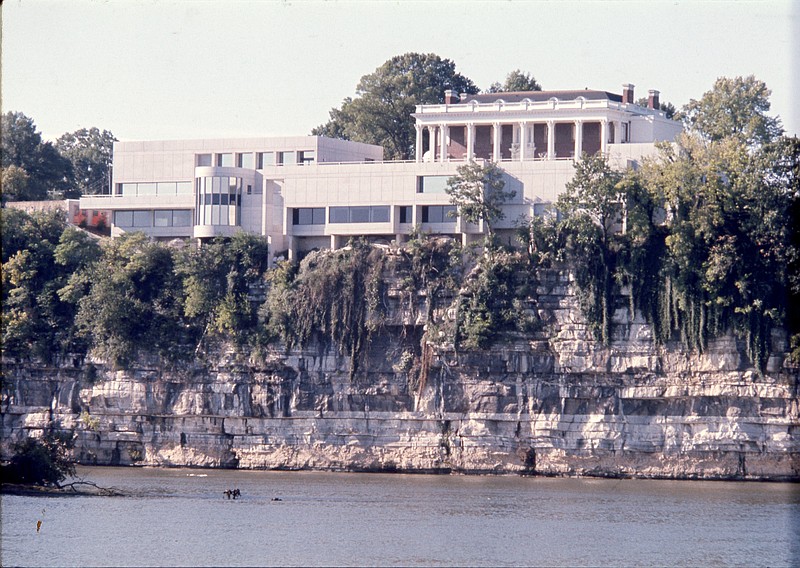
[(197, 69)]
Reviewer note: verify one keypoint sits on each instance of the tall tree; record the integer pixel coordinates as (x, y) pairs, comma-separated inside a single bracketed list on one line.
[(47, 174), (478, 192), (516, 81), (381, 111), (734, 107), (90, 152)]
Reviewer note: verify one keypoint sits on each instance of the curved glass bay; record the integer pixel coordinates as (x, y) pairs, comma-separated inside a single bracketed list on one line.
[(181, 517)]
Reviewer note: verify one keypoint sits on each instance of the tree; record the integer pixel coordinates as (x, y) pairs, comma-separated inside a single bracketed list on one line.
[(41, 461), (592, 206), (734, 108), (385, 99), (516, 81), (47, 174), (90, 152), (478, 193)]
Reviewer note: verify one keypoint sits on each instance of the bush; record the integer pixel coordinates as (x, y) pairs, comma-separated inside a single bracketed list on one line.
[(42, 461)]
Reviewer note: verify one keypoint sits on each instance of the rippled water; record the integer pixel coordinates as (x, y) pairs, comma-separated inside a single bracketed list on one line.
[(180, 517)]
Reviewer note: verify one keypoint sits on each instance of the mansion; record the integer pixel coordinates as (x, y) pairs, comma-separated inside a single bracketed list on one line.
[(311, 192)]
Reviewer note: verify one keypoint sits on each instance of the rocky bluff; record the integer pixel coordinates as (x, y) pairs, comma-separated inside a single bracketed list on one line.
[(550, 402)]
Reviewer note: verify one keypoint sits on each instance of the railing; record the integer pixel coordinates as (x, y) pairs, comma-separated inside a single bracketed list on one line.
[(528, 106)]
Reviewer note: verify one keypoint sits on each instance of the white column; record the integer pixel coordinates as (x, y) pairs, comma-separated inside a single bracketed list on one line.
[(445, 131), (603, 136), (496, 132), (418, 149), (578, 139), (617, 132), (470, 142), (432, 144), (523, 140), (551, 139)]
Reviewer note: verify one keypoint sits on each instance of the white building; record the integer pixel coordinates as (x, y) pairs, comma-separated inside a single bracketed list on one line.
[(315, 192)]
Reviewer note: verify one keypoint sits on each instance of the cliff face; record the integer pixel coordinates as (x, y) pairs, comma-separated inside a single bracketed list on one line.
[(553, 402)]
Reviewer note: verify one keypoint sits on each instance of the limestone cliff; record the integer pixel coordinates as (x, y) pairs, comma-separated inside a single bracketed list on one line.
[(552, 402)]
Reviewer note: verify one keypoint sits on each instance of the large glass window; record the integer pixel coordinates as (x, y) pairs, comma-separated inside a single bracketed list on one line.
[(406, 214), (438, 213), (162, 218), (379, 214), (431, 184), (265, 159), (308, 216), (123, 218), (203, 159), (288, 158), (245, 161), (184, 187), (306, 157), (128, 189), (360, 214), (225, 160), (142, 218), (146, 189), (218, 201), (182, 218), (165, 188)]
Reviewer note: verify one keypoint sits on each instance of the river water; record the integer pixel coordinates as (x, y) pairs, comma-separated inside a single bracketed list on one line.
[(181, 517)]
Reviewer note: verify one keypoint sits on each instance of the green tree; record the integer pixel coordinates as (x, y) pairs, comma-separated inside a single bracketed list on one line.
[(47, 174), (516, 81), (381, 111), (41, 461), (90, 152), (478, 192), (593, 210), (734, 108), (135, 303), (216, 283)]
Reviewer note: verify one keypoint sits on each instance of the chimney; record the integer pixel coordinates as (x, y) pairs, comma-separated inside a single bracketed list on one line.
[(652, 100), (450, 98), (627, 93), (462, 97)]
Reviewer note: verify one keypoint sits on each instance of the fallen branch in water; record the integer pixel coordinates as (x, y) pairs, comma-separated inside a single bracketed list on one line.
[(104, 491)]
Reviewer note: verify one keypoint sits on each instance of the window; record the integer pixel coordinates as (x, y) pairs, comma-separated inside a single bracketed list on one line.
[(305, 157), (142, 218), (379, 214), (203, 159), (123, 218), (308, 216), (182, 218), (406, 214), (163, 218), (265, 159), (165, 188), (288, 158), (245, 161), (431, 184), (183, 187), (225, 160), (340, 215), (128, 189), (146, 189), (438, 213), (360, 214)]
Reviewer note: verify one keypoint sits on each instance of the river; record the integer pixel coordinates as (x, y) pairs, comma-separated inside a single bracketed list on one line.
[(178, 517)]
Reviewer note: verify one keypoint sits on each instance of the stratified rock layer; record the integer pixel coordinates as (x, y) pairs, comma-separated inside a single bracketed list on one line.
[(552, 403)]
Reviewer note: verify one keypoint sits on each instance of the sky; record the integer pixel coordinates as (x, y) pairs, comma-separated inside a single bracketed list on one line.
[(170, 69)]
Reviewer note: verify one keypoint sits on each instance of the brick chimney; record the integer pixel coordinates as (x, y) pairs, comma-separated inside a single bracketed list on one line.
[(627, 93), (652, 100), (450, 98), (462, 97)]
